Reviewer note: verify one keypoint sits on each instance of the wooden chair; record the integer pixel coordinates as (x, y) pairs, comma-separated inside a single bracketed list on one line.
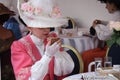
[(77, 54)]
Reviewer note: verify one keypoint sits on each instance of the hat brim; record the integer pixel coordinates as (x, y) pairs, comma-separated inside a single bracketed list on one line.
[(12, 13), (5, 10), (40, 21)]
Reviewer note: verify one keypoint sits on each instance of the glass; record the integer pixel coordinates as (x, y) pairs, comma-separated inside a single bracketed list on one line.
[(98, 63), (108, 62)]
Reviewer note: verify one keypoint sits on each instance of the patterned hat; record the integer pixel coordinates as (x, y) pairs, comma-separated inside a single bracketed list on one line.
[(41, 13)]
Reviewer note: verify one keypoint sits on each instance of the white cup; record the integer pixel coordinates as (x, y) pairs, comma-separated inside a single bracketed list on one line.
[(97, 63), (116, 68)]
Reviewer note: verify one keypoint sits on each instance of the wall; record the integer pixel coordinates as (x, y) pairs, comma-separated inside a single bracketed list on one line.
[(84, 11)]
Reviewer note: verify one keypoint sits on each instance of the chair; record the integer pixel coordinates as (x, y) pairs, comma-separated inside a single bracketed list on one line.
[(88, 56), (71, 22), (114, 52), (107, 52), (77, 54)]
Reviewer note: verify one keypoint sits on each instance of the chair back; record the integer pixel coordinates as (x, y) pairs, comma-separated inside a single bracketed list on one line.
[(114, 52), (107, 52), (71, 22), (75, 52)]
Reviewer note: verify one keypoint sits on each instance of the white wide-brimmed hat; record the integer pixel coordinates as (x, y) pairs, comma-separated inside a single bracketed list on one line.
[(40, 13)]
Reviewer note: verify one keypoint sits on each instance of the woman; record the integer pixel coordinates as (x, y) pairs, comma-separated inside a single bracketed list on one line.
[(104, 32), (33, 56), (102, 27)]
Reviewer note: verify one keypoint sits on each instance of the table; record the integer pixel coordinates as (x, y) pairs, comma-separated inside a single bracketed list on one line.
[(79, 38), (81, 43), (90, 76)]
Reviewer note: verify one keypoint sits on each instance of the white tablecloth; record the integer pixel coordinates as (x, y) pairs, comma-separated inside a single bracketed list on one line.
[(90, 76), (81, 43)]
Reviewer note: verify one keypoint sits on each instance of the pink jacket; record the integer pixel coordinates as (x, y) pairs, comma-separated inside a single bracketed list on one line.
[(24, 55)]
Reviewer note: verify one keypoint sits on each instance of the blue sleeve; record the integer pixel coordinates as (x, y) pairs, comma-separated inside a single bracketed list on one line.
[(14, 27)]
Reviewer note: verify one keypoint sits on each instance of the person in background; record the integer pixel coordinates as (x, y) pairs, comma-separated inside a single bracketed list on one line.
[(6, 35), (13, 25), (101, 27), (35, 57), (104, 32), (6, 39), (12, 5)]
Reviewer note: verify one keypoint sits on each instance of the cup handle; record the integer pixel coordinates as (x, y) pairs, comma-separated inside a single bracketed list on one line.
[(90, 66), (99, 64)]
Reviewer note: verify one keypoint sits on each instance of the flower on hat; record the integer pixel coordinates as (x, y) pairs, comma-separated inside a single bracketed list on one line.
[(27, 7), (115, 37), (56, 12), (38, 10)]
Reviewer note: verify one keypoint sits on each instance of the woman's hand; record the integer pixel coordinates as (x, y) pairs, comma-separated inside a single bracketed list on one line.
[(51, 49), (95, 22)]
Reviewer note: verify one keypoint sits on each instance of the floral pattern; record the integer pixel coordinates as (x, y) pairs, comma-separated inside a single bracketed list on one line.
[(27, 7)]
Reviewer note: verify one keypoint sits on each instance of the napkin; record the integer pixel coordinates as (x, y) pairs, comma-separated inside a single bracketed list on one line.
[(110, 72), (113, 77)]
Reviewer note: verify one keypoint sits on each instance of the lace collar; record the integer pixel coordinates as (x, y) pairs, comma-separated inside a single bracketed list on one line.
[(36, 40)]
